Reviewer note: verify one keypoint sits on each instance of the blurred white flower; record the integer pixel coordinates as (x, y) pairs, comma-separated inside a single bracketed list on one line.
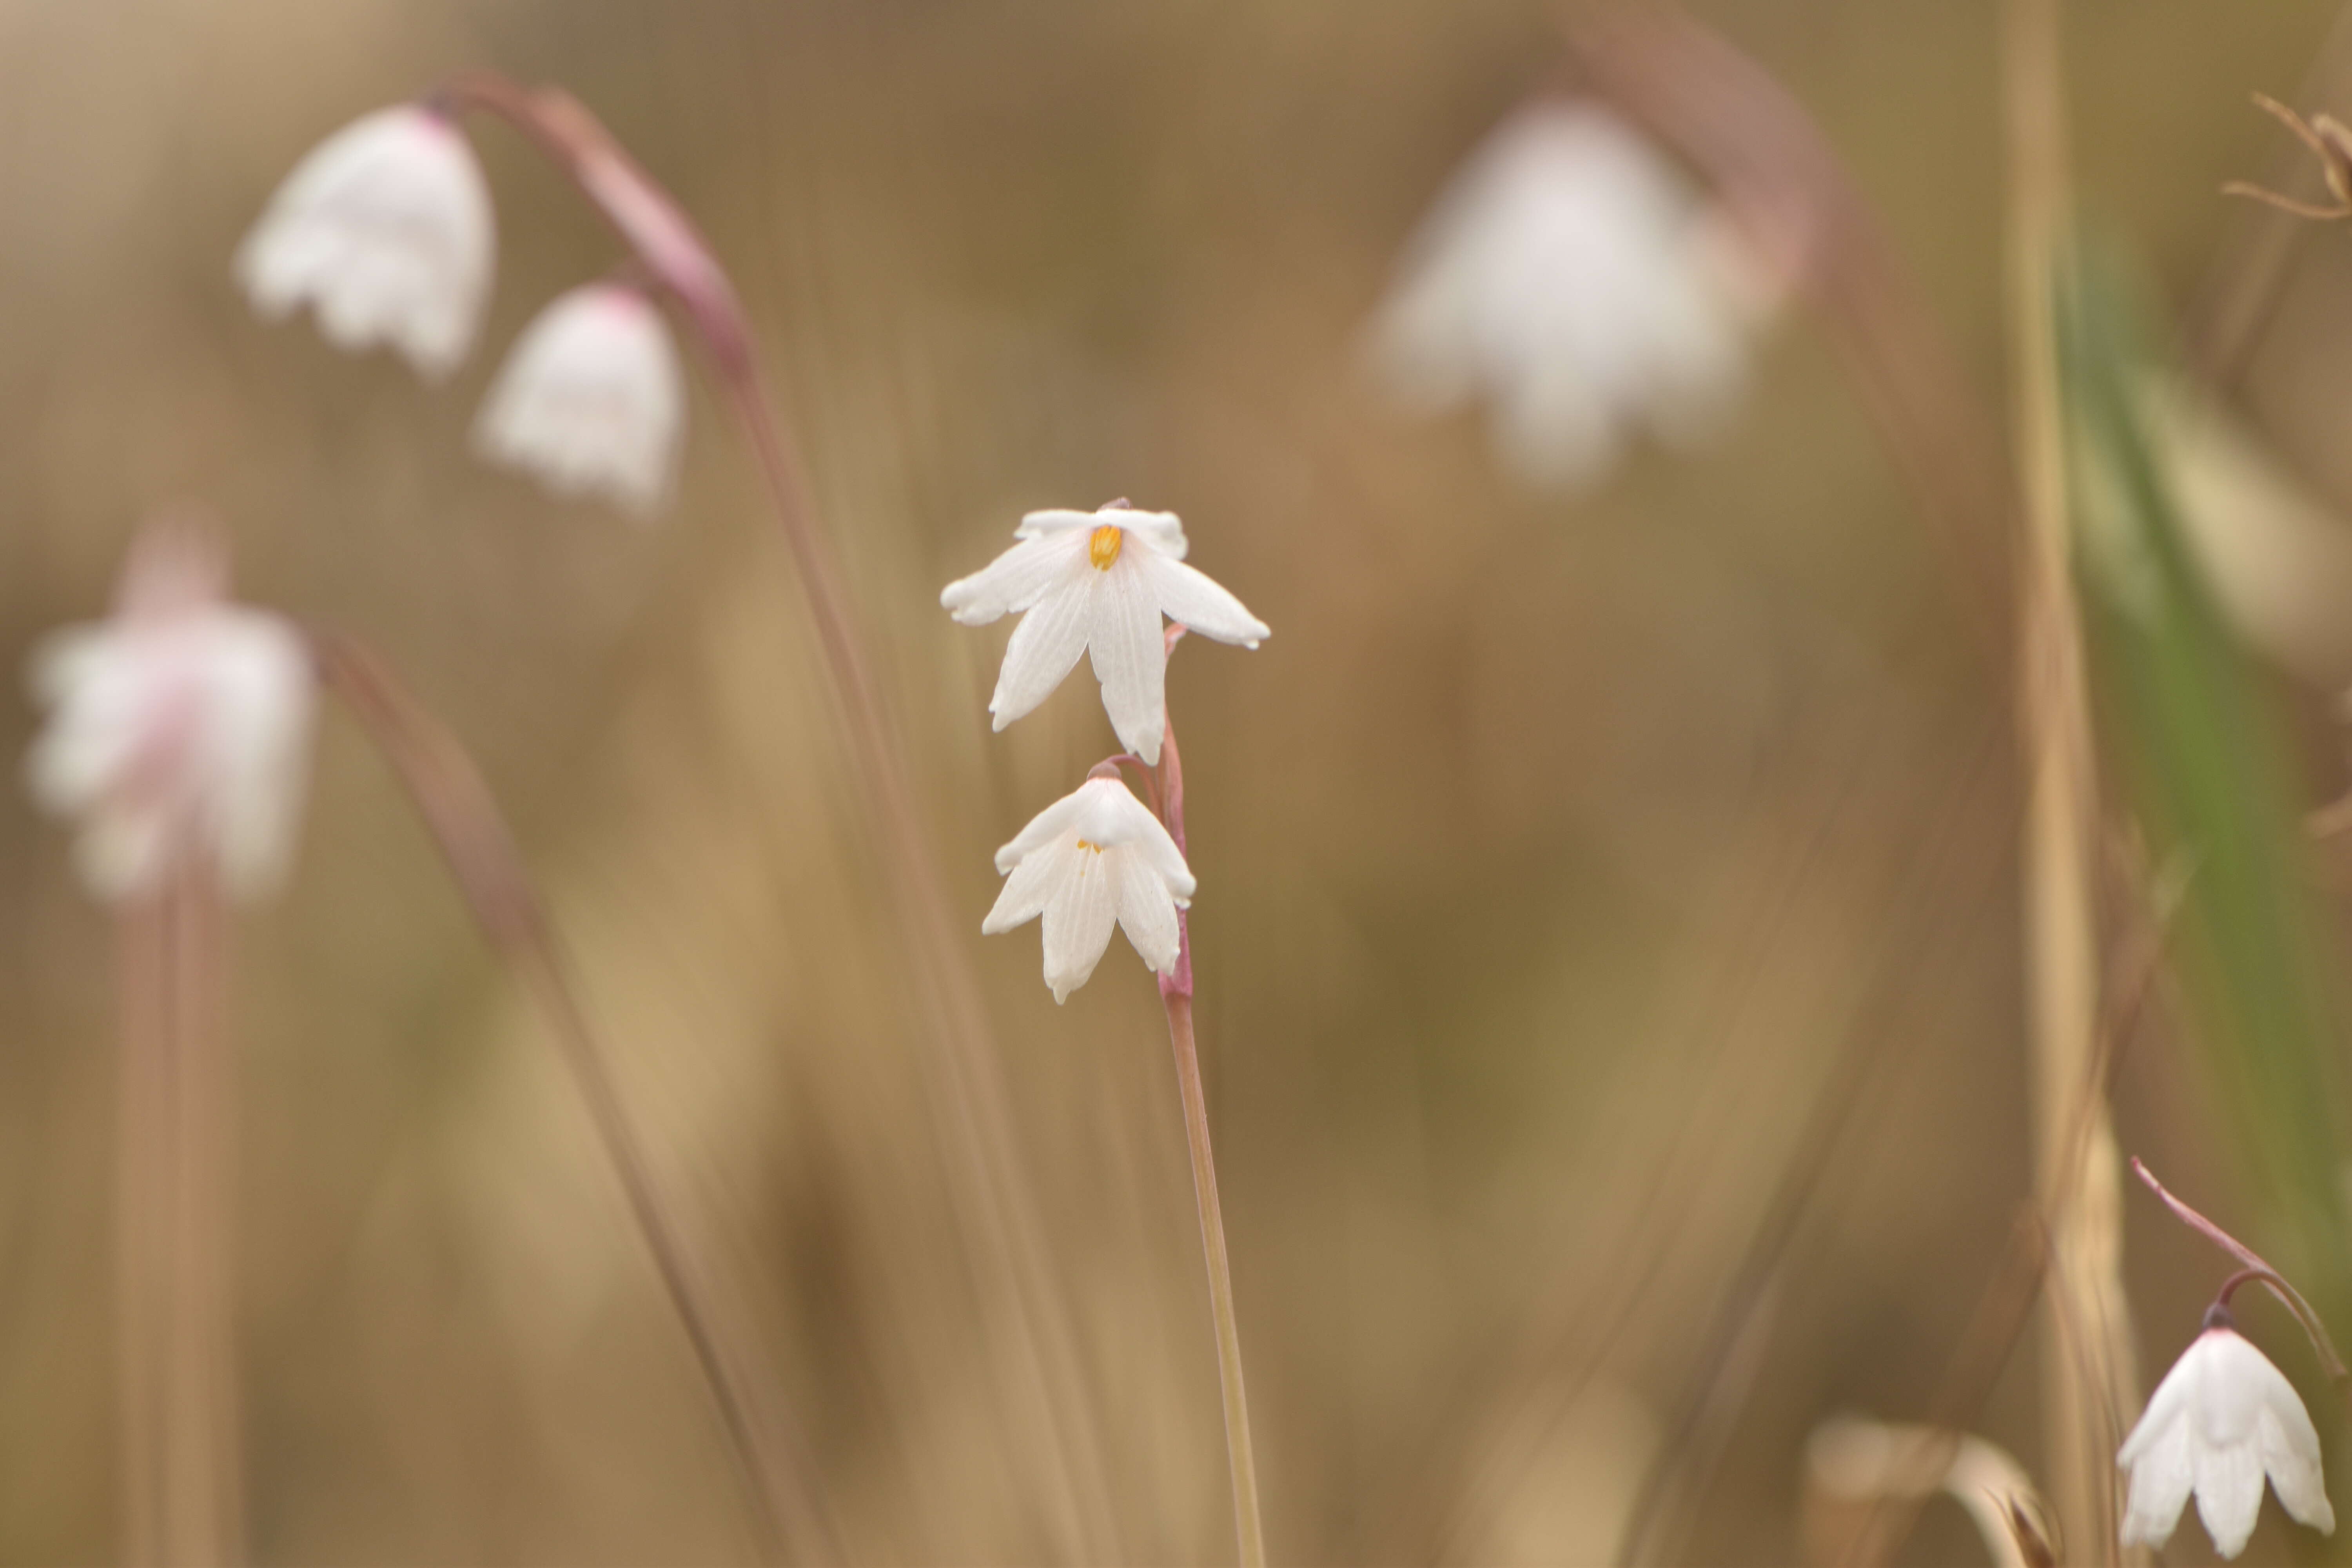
[(2222, 1419), (1099, 581), (1572, 276), (178, 728), (1095, 856), (591, 400), (385, 227)]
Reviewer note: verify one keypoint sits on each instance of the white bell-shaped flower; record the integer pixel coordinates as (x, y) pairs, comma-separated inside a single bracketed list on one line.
[(1099, 582), (178, 729), (592, 400), (2222, 1418), (1094, 859), (1572, 276), (385, 228)]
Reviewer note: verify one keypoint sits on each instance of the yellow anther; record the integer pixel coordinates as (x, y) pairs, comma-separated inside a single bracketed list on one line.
[(1096, 848), (1103, 547)]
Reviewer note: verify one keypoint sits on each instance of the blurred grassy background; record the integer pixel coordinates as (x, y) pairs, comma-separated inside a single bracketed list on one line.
[(1554, 855)]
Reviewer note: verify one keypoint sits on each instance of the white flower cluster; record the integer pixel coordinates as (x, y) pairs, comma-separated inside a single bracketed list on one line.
[(178, 730), (385, 231), (2222, 1420), (1572, 276), (1096, 583)]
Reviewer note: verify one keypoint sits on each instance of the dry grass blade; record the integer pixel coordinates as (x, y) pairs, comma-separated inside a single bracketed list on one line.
[(465, 821)]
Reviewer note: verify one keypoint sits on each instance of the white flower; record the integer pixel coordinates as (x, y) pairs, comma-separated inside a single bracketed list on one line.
[(1099, 581), (1570, 274), (591, 399), (1094, 857), (178, 728), (386, 228), (2222, 1418)]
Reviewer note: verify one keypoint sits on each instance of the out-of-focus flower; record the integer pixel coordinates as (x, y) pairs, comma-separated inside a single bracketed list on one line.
[(1858, 1463), (591, 400), (1099, 581), (1572, 276), (178, 728), (2222, 1419), (1094, 857), (386, 229)]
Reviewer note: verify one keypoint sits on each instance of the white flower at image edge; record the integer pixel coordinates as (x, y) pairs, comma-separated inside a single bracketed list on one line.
[(1095, 857), (1573, 277), (592, 400), (2222, 1418), (1098, 582), (174, 729), (385, 229)]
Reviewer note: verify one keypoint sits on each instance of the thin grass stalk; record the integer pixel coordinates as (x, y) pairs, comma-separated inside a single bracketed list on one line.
[(1176, 997), (2084, 1284), (996, 1204), (450, 795)]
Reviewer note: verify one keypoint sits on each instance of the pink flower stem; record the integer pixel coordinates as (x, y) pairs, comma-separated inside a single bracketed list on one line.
[(971, 1109), (2255, 1269), (175, 1332), (1176, 997)]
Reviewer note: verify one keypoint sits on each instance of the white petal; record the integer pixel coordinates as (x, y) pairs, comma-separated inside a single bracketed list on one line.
[(1078, 918), (1161, 530), (2162, 1474), (1145, 911), (1048, 825), (1015, 580), (1052, 520), (2169, 1405), (2229, 1493), (2290, 1454), (1036, 878), (1043, 648), (1193, 600), (1131, 657), (1112, 816)]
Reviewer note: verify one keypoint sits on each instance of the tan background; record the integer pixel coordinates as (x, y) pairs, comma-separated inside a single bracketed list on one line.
[(1548, 852)]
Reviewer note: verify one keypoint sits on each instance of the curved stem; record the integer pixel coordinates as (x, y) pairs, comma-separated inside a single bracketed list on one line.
[(997, 1207), (1176, 997), (456, 805), (2253, 1268)]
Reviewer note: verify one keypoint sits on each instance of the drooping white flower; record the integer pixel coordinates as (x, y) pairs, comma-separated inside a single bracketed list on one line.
[(1572, 276), (591, 400), (178, 728), (385, 228), (1098, 581), (1095, 857), (2222, 1418)]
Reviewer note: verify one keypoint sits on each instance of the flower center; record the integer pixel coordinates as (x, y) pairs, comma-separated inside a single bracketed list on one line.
[(1096, 848), (1102, 548)]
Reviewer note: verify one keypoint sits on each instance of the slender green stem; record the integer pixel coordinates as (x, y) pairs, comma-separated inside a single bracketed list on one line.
[(1239, 1454)]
